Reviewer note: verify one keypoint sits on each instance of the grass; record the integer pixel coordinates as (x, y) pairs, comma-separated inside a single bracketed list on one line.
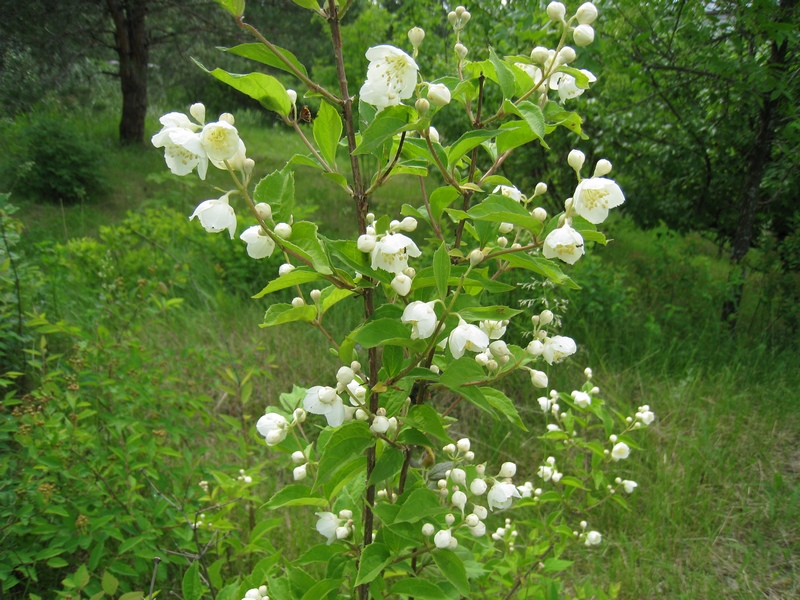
[(715, 513)]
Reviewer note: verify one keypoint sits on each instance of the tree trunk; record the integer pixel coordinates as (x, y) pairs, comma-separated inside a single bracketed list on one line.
[(758, 157), (132, 49)]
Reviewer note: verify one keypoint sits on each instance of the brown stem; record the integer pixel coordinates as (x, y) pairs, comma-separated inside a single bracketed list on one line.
[(473, 164), (434, 223)]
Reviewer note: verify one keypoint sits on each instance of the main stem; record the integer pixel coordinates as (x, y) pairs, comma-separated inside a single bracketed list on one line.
[(362, 208)]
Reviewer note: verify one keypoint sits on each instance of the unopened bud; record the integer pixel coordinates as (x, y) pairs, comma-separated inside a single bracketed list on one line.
[(576, 159), (283, 230), (264, 211), (298, 302), (461, 50), (415, 36), (502, 242), (541, 188), (566, 55), (603, 167), (546, 317), (583, 35), (198, 111), (315, 295), (476, 257), (556, 11), (539, 214), (433, 135), (292, 96), (439, 94), (587, 13), (227, 118), (506, 228), (539, 55), (422, 106)]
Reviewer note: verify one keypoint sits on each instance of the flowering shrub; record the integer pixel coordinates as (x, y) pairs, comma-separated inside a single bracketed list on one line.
[(404, 510)]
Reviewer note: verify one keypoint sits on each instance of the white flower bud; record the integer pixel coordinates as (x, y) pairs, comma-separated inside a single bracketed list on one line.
[(465, 17), (461, 50), (345, 375), (603, 167), (476, 257), (545, 317), (449, 519), (535, 348), (361, 415), (439, 94), (285, 269), (283, 230), (612, 438), (452, 17), (292, 96), (449, 449), (593, 538), (298, 457), (227, 118), (401, 284), (422, 106), (299, 415), (433, 135), (264, 211), (298, 302), (366, 242), (469, 456), (415, 36), (508, 469), (506, 228), (576, 159), (492, 364), (408, 224), (499, 349), (566, 55), (248, 165), (262, 589), (538, 378), (587, 13), (459, 500), (620, 451), (342, 532), (300, 473), (380, 424), (482, 359), (435, 369), (442, 484), (356, 366), (198, 111), (315, 295), (427, 530), (541, 188), (587, 372), (478, 487), (472, 520), (583, 35), (556, 11), (502, 241), (458, 476), (480, 470), (394, 225), (539, 55), (463, 445)]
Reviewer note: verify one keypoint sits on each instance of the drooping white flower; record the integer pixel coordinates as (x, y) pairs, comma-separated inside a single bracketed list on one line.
[(183, 150), (620, 451), (467, 337), (582, 399), (565, 244), (593, 538), (259, 245), (567, 86), (557, 348), (391, 252), (402, 284), (502, 495), (494, 329), (422, 319), (391, 77), (327, 524), (220, 140), (323, 400), (509, 191), (629, 485), (593, 197), (216, 215), (273, 427)]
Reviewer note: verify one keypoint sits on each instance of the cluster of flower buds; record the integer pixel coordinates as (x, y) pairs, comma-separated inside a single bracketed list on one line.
[(243, 477), (510, 191), (626, 484), (300, 472), (548, 471), (590, 538), (327, 401), (506, 534), (335, 527), (259, 593), (203, 485), (644, 416)]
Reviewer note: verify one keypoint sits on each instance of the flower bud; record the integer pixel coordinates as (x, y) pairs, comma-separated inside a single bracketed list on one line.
[(342, 532), (499, 349), (264, 211), (583, 35), (415, 36), (433, 135), (452, 17), (463, 445), (472, 520), (300, 473), (539, 55), (356, 366), (566, 55), (478, 487), (315, 295), (480, 470), (298, 457), (603, 167), (576, 159), (538, 378), (541, 188), (465, 17), (458, 476), (460, 10), (299, 415), (449, 519), (401, 284), (283, 230), (461, 50), (427, 530), (459, 500), (506, 228), (366, 242), (556, 11), (227, 118), (507, 469), (248, 165), (285, 269), (482, 359), (502, 241), (198, 111), (476, 257), (361, 415), (593, 538), (292, 96), (539, 214), (345, 375), (439, 94), (469, 456), (298, 302), (408, 224), (587, 13), (480, 512), (422, 106), (380, 424), (449, 449), (545, 317), (442, 538)]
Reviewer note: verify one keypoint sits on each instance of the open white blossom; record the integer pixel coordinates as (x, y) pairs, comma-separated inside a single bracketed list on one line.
[(629, 485), (273, 427), (327, 524), (557, 348), (509, 191), (593, 197), (620, 451), (216, 215), (502, 495), (220, 140), (391, 77), (494, 329), (567, 86), (391, 252), (467, 337), (422, 319), (323, 400), (183, 150), (593, 538), (565, 244), (259, 244), (582, 399)]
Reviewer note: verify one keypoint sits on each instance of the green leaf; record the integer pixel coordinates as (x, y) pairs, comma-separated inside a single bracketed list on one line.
[(387, 466), (265, 89), (332, 295), (420, 503), (294, 495), (387, 123), (309, 4), (277, 190), (305, 242), (278, 314), (132, 596), (452, 567), (505, 76), (441, 198), (109, 583), (461, 371), (327, 131), (441, 269), (410, 436), (504, 406), (57, 563), (513, 135), (129, 543), (235, 7), (468, 141), (192, 585), (319, 553), (553, 565), (530, 113), (427, 420), (260, 53), (492, 313), (321, 588), (229, 592), (420, 589), (349, 253), (542, 266), (349, 441), (291, 279), (383, 332), (374, 559), (500, 209)]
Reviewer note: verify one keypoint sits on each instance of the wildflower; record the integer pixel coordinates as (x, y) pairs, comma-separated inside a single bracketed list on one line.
[(567, 85), (593, 197), (582, 399), (391, 252), (557, 348), (494, 329), (183, 150), (502, 495), (273, 427), (259, 244), (327, 525), (645, 415), (415, 36), (620, 451), (593, 538), (220, 140), (321, 400), (467, 337), (391, 77), (507, 469), (629, 486), (509, 191), (216, 215), (565, 244), (422, 319)]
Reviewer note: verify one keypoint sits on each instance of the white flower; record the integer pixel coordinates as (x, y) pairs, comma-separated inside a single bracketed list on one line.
[(259, 245), (442, 538), (567, 86), (391, 252), (401, 284), (646, 416), (422, 319), (321, 400), (557, 348), (459, 500), (391, 77), (439, 94), (593, 538), (582, 399), (427, 530), (273, 427), (494, 329), (183, 150), (327, 524), (216, 215), (620, 451), (467, 337), (236, 161), (545, 472), (545, 403), (463, 445), (501, 495), (507, 469), (593, 197), (220, 140), (509, 191), (565, 244), (629, 485)]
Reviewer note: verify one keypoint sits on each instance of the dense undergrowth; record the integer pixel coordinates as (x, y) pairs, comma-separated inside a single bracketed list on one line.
[(131, 374)]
